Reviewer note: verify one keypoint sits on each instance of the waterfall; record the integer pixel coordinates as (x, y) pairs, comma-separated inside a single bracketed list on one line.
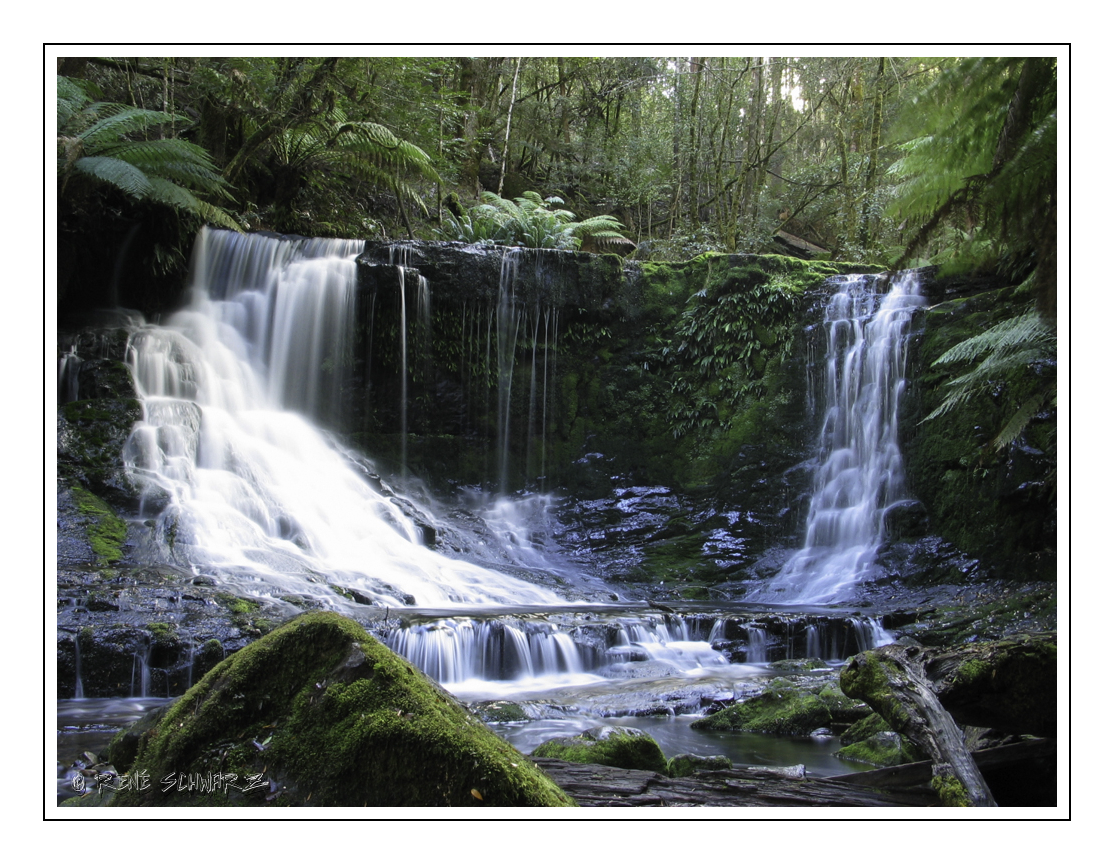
[(69, 364), (860, 474), (527, 650), (419, 315), (508, 318), (245, 486), (79, 686)]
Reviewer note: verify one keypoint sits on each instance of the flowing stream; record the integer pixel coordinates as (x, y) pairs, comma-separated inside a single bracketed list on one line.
[(244, 486)]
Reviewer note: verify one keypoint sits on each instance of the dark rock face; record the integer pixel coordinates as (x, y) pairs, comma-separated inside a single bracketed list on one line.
[(97, 408), (148, 630)]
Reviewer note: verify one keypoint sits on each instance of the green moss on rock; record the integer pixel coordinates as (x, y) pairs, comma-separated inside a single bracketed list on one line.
[(687, 764), (500, 711), (864, 678), (237, 605), (951, 791), (105, 530), (619, 747), (320, 713), (872, 742), (783, 710)]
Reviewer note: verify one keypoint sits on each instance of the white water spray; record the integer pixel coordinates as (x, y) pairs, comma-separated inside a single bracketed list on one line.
[(249, 490)]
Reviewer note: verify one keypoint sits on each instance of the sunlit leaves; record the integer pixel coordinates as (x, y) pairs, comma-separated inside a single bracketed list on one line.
[(531, 222)]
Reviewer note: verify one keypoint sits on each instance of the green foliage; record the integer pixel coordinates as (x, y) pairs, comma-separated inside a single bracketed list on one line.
[(528, 221), (979, 168), (335, 151), (1005, 349), (729, 330), (115, 145)]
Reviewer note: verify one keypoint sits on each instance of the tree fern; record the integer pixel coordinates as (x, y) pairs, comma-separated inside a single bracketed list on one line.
[(1004, 349), (532, 222), (107, 144), (329, 149), (989, 162)]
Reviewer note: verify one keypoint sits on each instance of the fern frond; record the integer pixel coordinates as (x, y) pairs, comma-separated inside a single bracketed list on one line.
[(379, 142), (71, 98), (1017, 423), (124, 121), (1022, 330), (115, 172)]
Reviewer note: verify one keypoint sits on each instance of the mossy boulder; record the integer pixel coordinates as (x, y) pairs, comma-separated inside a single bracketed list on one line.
[(871, 741), (319, 713), (688, 764), (1008, 685), (617, 746), (783, 709), (500, 711)]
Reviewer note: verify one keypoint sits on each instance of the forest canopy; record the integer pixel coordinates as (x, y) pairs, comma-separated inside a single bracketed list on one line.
[(878, 159)]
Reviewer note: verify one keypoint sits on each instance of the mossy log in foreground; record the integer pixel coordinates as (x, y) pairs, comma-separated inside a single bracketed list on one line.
[(891, 680), (320, 713)]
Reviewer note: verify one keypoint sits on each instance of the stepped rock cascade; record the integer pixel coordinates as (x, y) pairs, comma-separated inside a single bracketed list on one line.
[(246, 487), (859, 474)]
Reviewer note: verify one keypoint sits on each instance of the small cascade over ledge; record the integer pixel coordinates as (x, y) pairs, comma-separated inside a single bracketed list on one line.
[(572, 647), (859, 474)]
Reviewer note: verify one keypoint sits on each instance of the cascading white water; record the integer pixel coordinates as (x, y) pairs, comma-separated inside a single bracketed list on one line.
[(860, 474), (249, 489)]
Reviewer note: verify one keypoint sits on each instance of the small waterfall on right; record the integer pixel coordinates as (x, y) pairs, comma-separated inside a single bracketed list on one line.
[(859, 473)]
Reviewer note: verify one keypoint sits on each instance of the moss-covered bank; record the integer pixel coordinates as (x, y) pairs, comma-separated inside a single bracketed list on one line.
[(320, 713)]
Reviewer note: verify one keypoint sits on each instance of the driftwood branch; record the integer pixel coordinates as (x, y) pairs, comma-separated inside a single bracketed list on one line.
[(893, 682)]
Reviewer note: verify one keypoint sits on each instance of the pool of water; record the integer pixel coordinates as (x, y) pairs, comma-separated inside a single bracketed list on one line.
[(676, 736)]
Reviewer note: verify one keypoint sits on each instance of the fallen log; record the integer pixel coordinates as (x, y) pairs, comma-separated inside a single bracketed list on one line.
[(891, 680), (603, 786)]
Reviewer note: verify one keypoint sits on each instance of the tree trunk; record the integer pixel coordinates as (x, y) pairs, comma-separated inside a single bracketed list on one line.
[(696, 66), (507, 137), (866, 220)]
